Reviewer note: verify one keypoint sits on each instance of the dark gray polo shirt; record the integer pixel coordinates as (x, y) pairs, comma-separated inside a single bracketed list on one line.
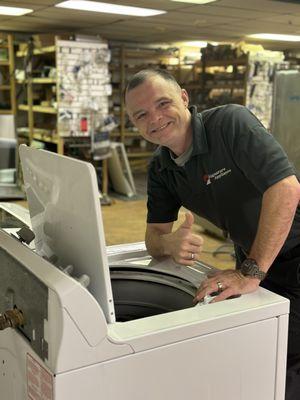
[(233, 162)]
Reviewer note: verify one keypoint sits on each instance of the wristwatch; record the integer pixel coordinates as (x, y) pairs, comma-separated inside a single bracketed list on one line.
[(250, 268)]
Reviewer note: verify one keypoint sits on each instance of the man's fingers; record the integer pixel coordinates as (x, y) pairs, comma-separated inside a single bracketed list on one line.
[(227, 284), (203, 291), (185, 261), (224, 295), (189, 220), (196, 240), (188, 250)]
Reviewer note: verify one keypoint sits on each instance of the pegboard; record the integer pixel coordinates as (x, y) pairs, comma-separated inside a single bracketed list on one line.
[(83, 86)]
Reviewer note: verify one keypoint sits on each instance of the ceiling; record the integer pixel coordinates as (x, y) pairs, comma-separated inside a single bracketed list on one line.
[(221, 21)]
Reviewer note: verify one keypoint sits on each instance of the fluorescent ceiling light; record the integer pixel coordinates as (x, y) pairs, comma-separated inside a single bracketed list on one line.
[(109, 8), (275, 36), (195, 1), (14, 10)]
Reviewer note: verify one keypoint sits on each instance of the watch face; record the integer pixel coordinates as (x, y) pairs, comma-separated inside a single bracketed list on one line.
[(250, 268)]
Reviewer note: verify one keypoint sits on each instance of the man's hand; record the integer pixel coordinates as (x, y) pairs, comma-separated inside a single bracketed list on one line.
[(229, 283), (183, 245)]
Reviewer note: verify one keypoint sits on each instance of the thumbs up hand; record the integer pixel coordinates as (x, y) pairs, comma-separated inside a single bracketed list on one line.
[(185, 246), (188, 222)]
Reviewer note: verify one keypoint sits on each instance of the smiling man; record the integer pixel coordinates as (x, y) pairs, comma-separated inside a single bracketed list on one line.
[(224, 166), (158, 108)]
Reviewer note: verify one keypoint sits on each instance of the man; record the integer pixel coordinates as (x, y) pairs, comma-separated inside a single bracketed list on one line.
[(223, 165)]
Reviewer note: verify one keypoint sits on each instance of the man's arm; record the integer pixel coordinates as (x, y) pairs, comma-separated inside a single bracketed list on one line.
[(278, 209), (155, 236), (180, 244)]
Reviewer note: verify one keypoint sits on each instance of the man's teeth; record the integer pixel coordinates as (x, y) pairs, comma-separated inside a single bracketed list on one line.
[(161, 127)]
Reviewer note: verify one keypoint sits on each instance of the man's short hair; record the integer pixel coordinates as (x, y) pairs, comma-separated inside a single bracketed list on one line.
[(141, 76)]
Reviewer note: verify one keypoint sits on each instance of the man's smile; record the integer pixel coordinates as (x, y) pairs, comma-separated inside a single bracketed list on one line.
[(160, 128)]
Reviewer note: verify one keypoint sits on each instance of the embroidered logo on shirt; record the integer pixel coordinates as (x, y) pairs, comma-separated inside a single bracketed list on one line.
[(210, 178), (206, 179)]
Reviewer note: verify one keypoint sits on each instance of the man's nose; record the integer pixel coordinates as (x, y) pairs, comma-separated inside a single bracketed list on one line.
[(155, 116)]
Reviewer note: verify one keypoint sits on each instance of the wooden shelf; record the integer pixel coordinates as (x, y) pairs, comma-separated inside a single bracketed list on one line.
[(218, 85), (225, 63), (215, 82), (126, 134), (44, 138), (148, 53), (7, 63), (23, 107), (38, 109), (42, 50), (38, 80), (134, 68), (39, 92), (47, 110), (136, 54), (138, 154), (43, 132), (44, 80)]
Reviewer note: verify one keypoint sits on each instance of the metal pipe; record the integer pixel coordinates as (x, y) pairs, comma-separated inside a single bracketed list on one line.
[(11, 319)]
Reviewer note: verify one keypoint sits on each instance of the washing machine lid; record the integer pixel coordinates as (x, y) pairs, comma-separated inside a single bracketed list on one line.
[(65, 212)]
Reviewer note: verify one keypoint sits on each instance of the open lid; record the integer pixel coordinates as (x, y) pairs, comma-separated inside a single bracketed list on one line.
[(66, 218)]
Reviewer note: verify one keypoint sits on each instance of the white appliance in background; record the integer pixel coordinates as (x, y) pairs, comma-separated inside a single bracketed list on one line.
[(120, 171), (9, 188), (285, 115), (8, 145), (132, 333), (7, 127)]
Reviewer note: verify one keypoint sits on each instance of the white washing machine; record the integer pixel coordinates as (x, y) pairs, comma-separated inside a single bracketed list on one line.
[(111, 323)]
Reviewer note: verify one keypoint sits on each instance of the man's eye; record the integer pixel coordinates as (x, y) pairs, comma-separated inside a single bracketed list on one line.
[(140, 116), (163, 103)]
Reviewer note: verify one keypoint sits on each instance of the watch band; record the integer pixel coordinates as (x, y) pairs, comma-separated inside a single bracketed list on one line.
[(250, 268)]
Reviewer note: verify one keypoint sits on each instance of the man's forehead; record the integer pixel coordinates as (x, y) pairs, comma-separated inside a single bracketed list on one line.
[(153, 87), (156, 80)]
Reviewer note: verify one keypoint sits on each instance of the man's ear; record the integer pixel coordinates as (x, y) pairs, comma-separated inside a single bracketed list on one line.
[(130, 119), (185, 97)]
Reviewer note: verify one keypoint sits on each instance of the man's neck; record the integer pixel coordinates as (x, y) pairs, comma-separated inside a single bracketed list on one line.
[(185, 140)]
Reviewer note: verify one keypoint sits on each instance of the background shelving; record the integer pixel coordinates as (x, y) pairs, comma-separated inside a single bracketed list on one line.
[(63, 99), (125, 62), (37, 103), (7, 81), (223, 77)]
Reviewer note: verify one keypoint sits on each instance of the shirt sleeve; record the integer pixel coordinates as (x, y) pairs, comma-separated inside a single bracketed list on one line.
[(163, 205), (256, 152)]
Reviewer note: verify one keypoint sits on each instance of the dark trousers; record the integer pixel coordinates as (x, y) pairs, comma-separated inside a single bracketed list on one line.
[(283, 278)]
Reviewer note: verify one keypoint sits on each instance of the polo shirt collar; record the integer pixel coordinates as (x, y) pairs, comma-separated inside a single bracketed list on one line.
[(199, 141)]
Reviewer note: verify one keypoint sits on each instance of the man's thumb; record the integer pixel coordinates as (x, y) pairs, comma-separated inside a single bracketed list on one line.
[(189, 220)]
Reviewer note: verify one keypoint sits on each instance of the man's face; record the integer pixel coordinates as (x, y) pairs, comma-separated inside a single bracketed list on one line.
[(158, 109)]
